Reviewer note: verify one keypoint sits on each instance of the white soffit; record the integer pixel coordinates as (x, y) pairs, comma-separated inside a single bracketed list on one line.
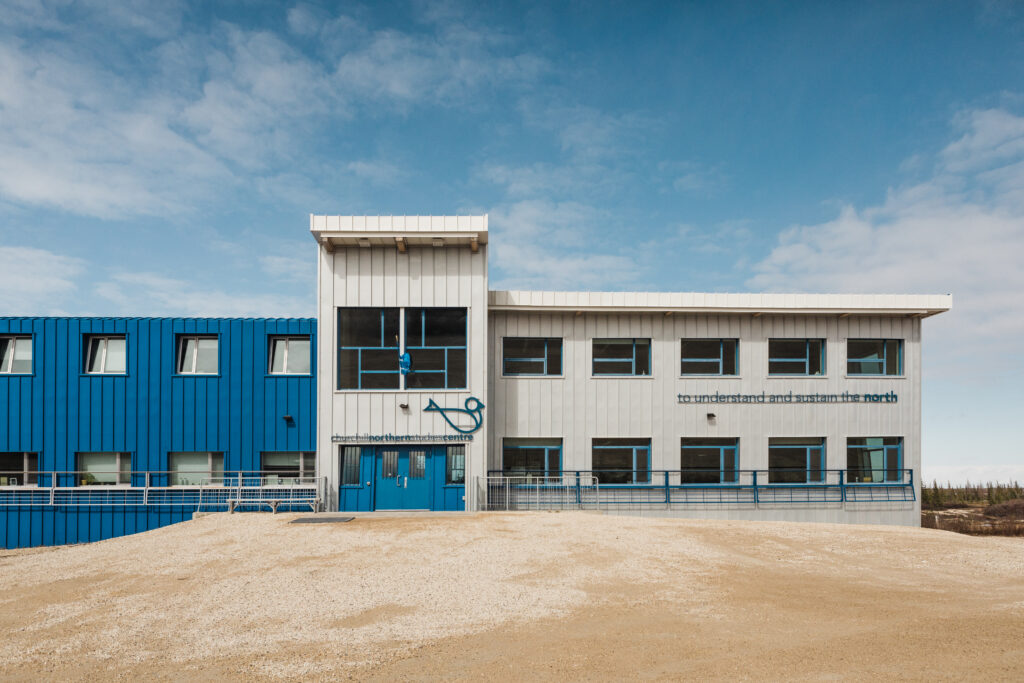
[(400, 231)]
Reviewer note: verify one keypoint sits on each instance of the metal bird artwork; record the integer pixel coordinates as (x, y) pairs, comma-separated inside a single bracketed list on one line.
[(474, 407)]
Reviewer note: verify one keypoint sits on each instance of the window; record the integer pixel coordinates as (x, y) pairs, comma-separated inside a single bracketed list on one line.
[(542, 457), (104, 469), (417, 464), (15, 355), (435, 339), (350, 465), (455, 467), (368, 348), (622, 357), (105, 355), (709, 461), (874, 459), (197, 355), (289, 356), (18, 469), (796, 356), (538, 356), (280, 467), (874, 356), (796, 461), (193, 469), (622, 461), (709, 357)]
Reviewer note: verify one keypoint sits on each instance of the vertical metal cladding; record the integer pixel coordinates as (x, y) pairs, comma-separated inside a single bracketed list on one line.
[(149, 411)]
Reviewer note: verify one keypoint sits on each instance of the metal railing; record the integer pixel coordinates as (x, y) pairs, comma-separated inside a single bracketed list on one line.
[(687, 488), (206, 491)]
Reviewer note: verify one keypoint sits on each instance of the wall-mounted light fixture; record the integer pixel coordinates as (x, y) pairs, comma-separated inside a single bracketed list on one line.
[(288, 419), (403, 406), (711, 417)]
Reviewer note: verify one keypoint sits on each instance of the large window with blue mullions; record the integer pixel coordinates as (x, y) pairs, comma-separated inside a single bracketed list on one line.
[(796, 357), (435, 339), (709, 357), (874, 459), (796, 461), (531, 356), (368, 348), (709, 461), (874, 357), (540, 457), (622, 357), (621, 461)]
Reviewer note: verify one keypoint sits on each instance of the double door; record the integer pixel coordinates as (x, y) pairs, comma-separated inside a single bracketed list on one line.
[(403, 480)]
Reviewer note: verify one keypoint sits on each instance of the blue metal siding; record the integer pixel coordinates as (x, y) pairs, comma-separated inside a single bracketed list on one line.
[(150, 411)]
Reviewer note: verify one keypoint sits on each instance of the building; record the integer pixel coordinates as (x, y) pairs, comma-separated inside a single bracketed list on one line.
[(416, 387), (754, 406)]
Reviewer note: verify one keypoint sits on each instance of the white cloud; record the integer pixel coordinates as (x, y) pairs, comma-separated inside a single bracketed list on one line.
[(36, 281), (961, 232)]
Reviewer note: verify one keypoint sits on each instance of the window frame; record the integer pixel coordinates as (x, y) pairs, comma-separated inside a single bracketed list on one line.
[(27, 475), (711, 443), (720, 360), (551, 446), (545, 374), (885, 469), (7, 368), (407, 348), (210, 469), (119, 471), (345, 470), (806, 359), (179, 355), (884, 359), (87, 343), (594, 360), (340, 349), (635, 481), (287, 339), (303, 473), (455, 453), (807, 469)]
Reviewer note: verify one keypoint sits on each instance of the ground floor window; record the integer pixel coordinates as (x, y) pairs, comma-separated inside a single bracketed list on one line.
[(108, 469), (194, 469), (709, 461), (455, 465), (874, 459), (541, 457), (622, 461), (796, 461), (283, 465), (18, 469), (350, 465)]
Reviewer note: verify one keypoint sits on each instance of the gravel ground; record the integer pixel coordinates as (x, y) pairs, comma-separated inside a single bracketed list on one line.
[(543, 596)]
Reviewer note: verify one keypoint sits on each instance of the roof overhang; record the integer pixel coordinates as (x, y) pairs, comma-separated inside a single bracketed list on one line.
[(400, 232)]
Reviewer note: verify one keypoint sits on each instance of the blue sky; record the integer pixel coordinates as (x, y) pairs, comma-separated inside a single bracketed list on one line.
[(162, 158)]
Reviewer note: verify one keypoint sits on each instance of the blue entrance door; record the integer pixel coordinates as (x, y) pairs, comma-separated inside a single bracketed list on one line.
[(403, 478)]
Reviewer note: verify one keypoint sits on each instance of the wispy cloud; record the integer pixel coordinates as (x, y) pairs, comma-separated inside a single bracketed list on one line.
[(36, 281)]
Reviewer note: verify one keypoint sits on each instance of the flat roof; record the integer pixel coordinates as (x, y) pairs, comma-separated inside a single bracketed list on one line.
[(919, 305), (400, 231)]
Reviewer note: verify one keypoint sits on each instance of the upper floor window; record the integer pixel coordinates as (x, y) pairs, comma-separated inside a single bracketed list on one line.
[(796, 461), (538, 356), (18, 469), (104, 469), (624, 357), (874, 459), (105, 355), (709, 357), (435, 339), (289, 355), (874, 356), (368, 348), (796, 357), (621, 461), (541, 457), (15, 355), (708, 461), (197, 354)]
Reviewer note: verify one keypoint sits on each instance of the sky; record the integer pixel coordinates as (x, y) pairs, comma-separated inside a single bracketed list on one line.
[(162, 158)]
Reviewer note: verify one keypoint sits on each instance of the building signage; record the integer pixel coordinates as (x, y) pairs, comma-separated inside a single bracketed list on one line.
[(764, 397), (399, 438), (474, 408)]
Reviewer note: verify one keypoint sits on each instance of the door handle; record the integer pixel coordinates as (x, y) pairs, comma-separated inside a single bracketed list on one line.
[(398, 480), (405, 484)]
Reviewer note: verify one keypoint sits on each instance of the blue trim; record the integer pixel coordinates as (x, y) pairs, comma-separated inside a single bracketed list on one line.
[(867, 360), (806, 359), (885, 469), (636, 472), (632, 360), (720, 360), (552, 458), (546, 372), (723, 477), (810, 452)]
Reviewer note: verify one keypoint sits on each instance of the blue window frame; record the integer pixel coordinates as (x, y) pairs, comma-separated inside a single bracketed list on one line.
[(531, 356), (622, 357), (874, 357), (709, 356), (542, 457), (709, 461), (435, 339), (368, 348), (621, 461), (796, 461), (874, 459), (797, 357)]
